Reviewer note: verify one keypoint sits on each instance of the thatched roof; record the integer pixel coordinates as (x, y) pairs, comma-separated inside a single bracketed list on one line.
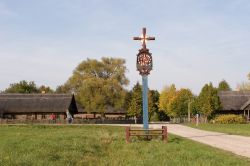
[(37, 103), (234, 100)]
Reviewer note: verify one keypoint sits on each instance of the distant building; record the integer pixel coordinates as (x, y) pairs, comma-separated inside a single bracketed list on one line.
[(236, 102), (109, 113), (36, 106)]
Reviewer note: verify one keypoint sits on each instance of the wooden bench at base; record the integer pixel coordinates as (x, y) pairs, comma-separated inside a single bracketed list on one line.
[(147, 132)]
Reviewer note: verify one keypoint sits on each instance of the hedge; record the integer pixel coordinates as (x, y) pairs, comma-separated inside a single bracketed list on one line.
[(230, 119)]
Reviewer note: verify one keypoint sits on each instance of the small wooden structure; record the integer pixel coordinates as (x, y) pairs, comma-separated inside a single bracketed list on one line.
[(246, 109), (147, 133)]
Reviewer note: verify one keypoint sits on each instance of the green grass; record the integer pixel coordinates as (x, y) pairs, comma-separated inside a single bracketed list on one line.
[(236, 129), (101, 145)]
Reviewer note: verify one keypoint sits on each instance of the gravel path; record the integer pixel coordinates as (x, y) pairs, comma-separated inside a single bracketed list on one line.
[(236, 144), (239, 145)]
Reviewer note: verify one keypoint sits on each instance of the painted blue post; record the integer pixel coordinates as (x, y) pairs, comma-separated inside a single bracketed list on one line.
[(145, 100)]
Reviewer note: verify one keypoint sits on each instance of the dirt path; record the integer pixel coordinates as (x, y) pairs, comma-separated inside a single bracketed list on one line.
[(239, 145)]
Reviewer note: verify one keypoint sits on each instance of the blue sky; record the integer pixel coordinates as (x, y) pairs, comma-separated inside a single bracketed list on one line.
[(197, 41)]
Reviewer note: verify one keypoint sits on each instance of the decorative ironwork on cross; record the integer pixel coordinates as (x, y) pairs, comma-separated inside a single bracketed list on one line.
[(144, 38), (144, 61)]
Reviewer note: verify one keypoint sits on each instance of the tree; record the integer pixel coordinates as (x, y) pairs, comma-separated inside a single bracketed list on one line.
[(194, 106), (135, 105), (208, 100), (22, 87), (167, 94), (179, 104), (98, 85), (224, 86), (244, 86), (61, 89), (153, 102), (45, 89), (128, 98), (135, 102)]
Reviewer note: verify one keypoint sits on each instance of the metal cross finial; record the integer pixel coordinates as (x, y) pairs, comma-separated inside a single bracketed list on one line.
[(144, 38)]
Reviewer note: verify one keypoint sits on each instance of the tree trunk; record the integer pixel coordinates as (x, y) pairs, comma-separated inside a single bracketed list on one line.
[(205, 119)]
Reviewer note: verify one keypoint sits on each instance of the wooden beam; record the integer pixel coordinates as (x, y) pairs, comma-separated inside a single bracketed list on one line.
[(247, 115)]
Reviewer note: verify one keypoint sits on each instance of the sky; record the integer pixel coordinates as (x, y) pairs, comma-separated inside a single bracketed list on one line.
[(197, 41)]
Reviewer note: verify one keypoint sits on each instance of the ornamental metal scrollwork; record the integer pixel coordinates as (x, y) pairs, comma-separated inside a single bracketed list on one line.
[(144, 62)]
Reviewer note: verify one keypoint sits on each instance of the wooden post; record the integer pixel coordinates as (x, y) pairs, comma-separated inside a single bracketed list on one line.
[(145, 101), (197, 119), (189, 111), (127, 134), (164, 134), (248, 115)]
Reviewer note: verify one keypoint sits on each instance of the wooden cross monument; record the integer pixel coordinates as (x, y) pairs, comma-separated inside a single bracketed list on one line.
[(144, 66)]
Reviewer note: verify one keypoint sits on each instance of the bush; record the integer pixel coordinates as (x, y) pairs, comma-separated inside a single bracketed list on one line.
[(229, 119)]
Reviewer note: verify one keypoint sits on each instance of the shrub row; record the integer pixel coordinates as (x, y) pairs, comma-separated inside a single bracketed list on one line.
[(229, 118)]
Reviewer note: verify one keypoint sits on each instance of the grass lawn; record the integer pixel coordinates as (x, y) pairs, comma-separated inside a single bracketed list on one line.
[(101, 145), (236, 129)]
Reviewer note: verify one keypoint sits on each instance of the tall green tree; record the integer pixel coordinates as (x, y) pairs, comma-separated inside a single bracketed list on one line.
[(135, 105), (99, 84), (179, 104), (135, 102), (22, 87), (153, 102), (194, 106), (128, 99), (208, 100), (224, 86), (166, 96)]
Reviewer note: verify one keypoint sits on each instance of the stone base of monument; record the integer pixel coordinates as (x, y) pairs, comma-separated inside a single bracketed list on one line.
[(147, 134)]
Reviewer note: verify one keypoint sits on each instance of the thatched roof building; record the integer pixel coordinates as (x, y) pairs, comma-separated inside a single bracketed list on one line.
[(234, 100), (37, 104)]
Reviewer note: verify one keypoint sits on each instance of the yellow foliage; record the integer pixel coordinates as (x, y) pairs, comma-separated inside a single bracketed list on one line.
[(230, 118)]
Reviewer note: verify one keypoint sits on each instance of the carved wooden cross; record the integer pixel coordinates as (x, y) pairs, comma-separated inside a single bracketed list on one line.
[(144, 38)]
